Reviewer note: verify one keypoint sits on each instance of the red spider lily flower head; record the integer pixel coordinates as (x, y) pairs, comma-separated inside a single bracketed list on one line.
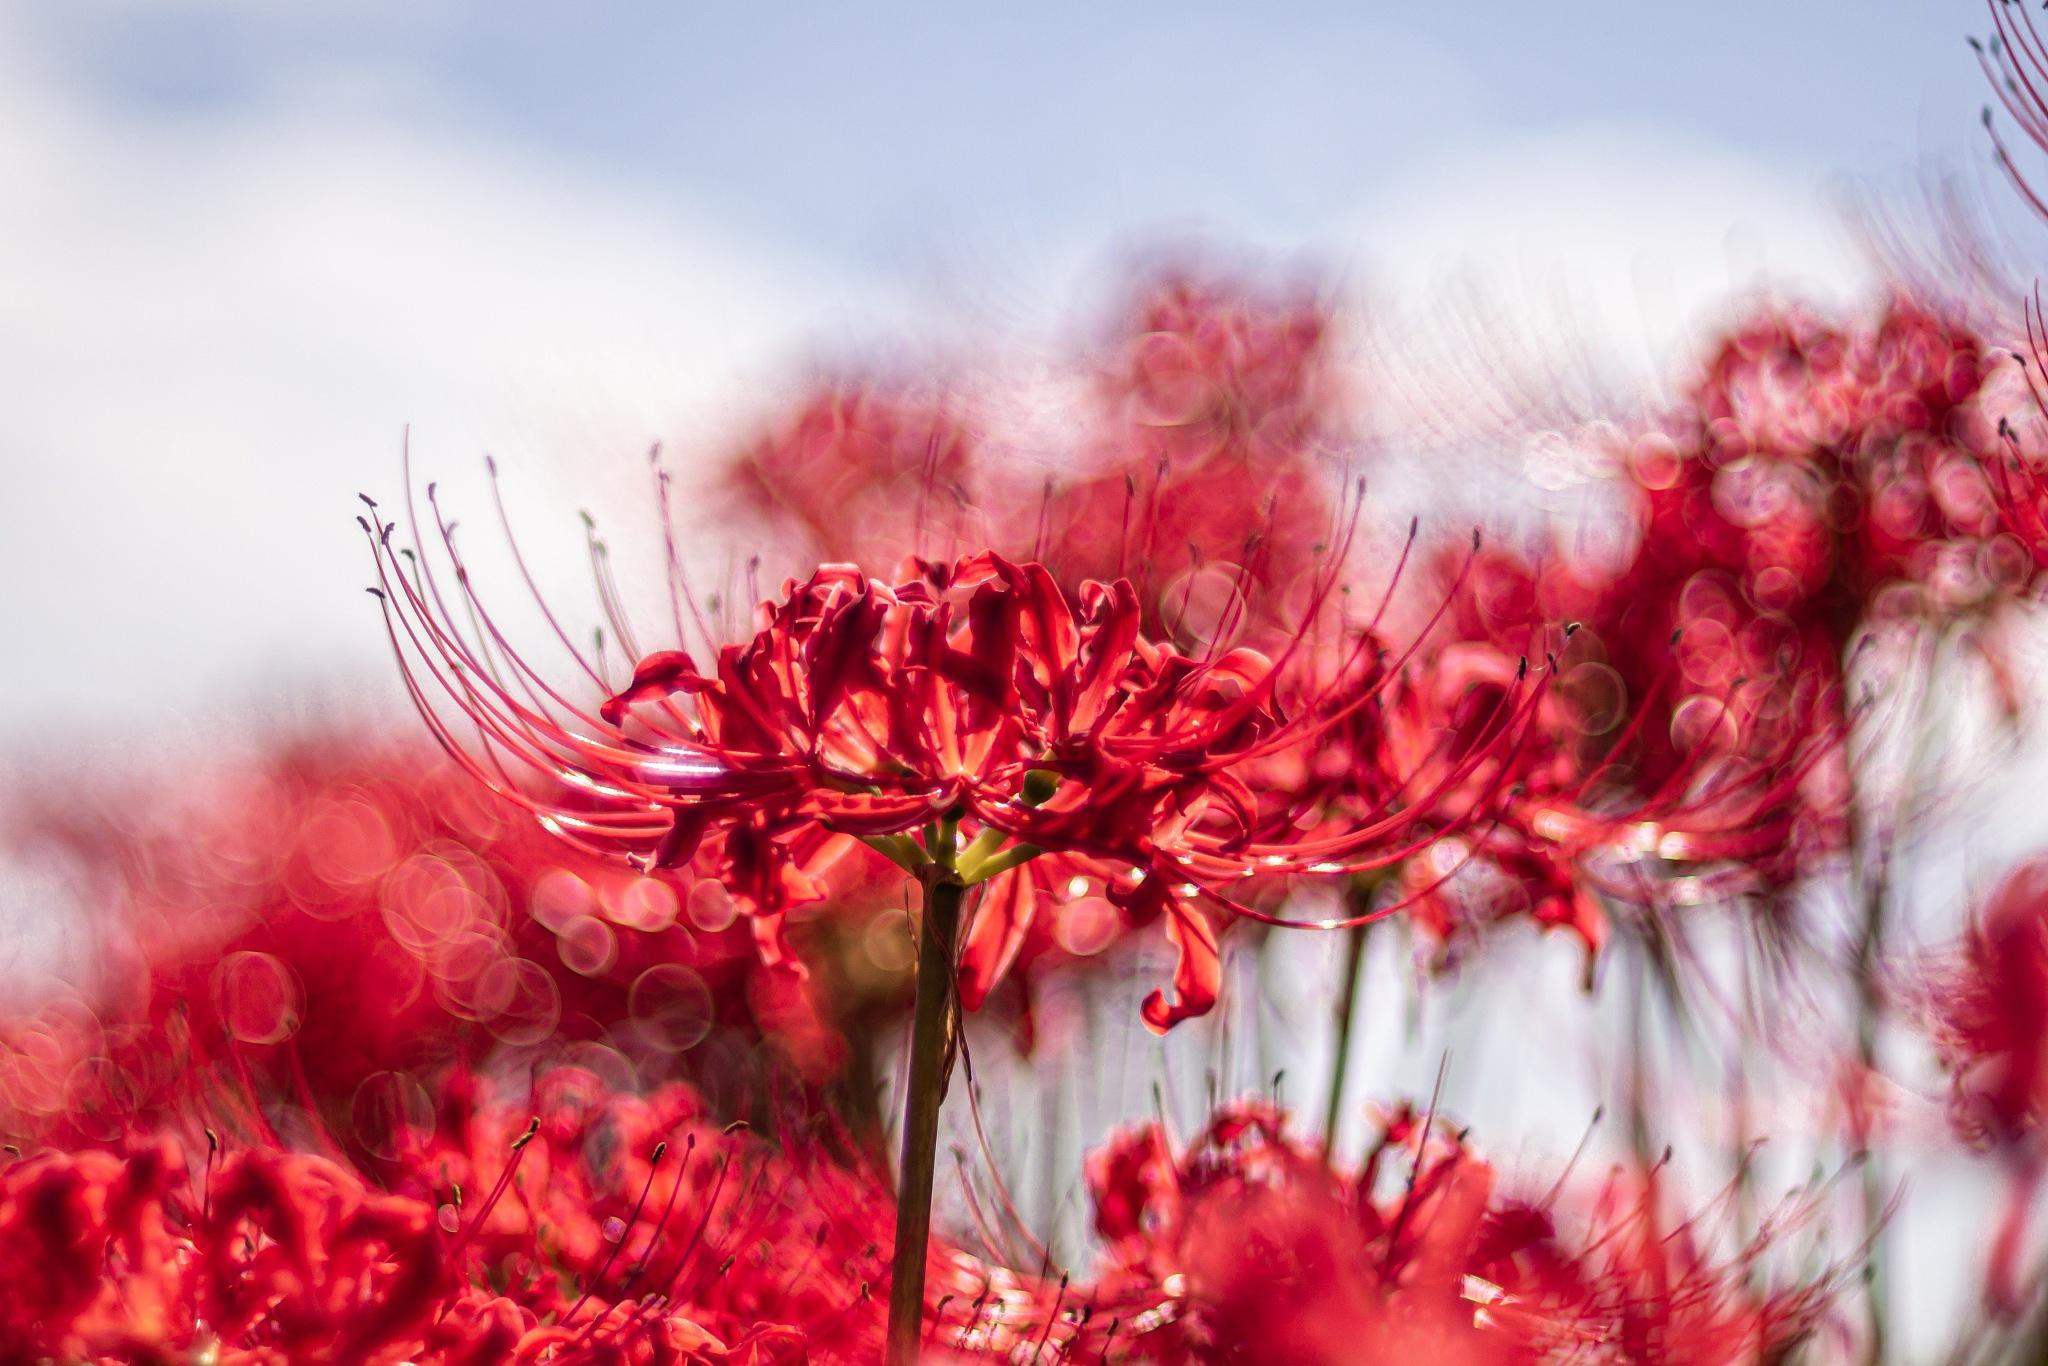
[(1822, 464), (1219, 364), (332, 915), (1682, 735), (968, 719), (605, 1228), (1991, 1012), (1645, 1286), (1457, 752), (113, 1255), (863, 473), (1986, 1005), (1821, 480), (582, 1196), (1210, 488), (1825, 480), (1446, 712), (1246, 1246)]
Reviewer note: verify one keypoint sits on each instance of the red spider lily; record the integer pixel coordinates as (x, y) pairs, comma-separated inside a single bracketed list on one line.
[(1988, 1008), (1681, 728), (1211, 364), (595, 1194), (1208, 486), (1830, 467), (862, 473), (112, 1256), (962, 723), (1992, 1011), (1441, 729), (339, 914), (972, 717), (1821, 481), (605, 1229), (1198, 474), (1247, 1247)]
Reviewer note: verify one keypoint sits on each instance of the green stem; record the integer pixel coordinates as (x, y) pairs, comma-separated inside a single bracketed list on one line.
[(1872, 872), (980, 848), (1002, 862), (900, 850), (1347, 1003), (932, 1025)]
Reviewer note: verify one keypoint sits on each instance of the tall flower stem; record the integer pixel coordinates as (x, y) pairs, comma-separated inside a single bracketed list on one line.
[(1347, 1006), (1870, 872), (933, 1023), (1870, 847)]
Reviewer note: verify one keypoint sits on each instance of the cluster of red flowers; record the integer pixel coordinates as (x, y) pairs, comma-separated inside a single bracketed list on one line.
[(1210, 425), (585, 1225), (430, 1058), (973, 716), (1248, 1246), (336, 917), (1821, 483), (589, 1225)]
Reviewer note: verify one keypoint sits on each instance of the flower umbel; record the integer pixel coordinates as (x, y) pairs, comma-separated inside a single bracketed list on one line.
[(968, 719)]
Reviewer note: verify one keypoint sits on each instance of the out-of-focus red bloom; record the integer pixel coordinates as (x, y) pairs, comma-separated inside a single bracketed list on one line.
[(1206, 481), (1821, 465), (973, 717), (1246, 1247), (646, 1198), (1819, 481), (1991, 1012), (1988, 1012), (862, 473), (338, 915), (1686, 734), (114, 1256)]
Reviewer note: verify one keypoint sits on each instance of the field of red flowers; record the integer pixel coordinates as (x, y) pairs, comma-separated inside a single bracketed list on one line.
[(652, 996)]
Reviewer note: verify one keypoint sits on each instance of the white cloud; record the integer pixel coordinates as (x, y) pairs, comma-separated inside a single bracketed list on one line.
[(217, 330), (1631, 242)]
